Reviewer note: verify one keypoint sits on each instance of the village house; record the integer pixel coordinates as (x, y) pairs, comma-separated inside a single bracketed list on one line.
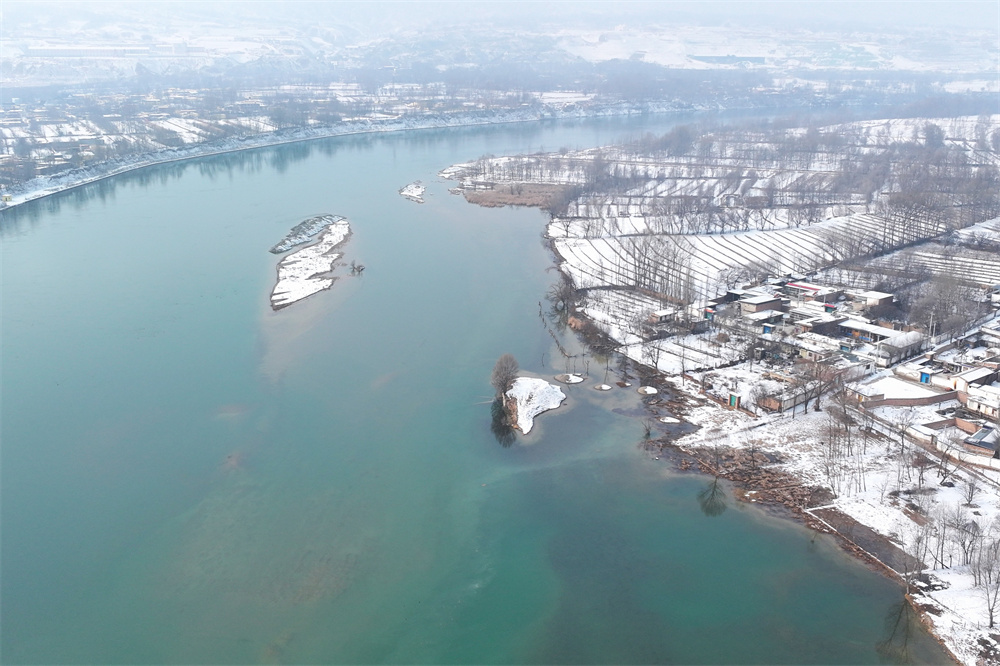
[(870, 299), (984, 399), (807, 291), (984, 441), (759, 303)]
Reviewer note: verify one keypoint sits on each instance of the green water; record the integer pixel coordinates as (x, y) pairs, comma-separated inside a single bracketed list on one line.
[(188, 477)]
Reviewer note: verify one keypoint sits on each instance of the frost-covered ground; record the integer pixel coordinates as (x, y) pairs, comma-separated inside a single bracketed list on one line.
[(306, 271), (533, 396)]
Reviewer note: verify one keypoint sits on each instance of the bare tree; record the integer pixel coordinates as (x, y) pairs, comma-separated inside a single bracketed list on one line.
[(949, 457), (971, 490), (504, 374), (986, 572)]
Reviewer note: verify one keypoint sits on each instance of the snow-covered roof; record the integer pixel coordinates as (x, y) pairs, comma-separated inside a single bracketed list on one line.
[(815, 289), (986, 437), (874, 295), (810, 308), (759, 300), (904, 339), (975, 374), (806, 286), (868, 327), (893, 387), (810, 340), (764, 314)]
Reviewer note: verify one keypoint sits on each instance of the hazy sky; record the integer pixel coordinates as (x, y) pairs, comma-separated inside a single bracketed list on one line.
[(811, 14)]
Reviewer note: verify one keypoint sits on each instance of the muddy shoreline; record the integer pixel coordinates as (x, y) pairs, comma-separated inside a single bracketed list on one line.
[(784, 496)]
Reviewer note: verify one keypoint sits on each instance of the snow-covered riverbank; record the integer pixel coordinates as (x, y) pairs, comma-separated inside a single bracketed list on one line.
[(645, 270), (905, 504), (43, 186)]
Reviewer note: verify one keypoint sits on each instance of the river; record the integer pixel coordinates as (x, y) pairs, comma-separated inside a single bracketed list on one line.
[(189, 477)]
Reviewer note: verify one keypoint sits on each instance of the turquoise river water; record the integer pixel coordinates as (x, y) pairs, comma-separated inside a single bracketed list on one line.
[(189, 477)]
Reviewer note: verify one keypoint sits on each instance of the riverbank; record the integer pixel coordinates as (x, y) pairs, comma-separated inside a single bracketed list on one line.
[(44, 186), (831, 469), (863, 502), (779, 462)]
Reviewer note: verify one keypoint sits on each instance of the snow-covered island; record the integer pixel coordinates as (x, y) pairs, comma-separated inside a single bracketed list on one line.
[(307, 271), (528, 398), (414, 191)]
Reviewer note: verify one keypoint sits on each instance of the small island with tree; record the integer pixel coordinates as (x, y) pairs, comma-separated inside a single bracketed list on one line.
[(519, 399)]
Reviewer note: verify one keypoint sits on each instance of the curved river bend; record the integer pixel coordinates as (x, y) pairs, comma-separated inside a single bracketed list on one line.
[(189, 477)]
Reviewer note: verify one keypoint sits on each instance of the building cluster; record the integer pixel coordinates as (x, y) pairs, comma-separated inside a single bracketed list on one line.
[(810, 338), (818, 323), (962, 377)]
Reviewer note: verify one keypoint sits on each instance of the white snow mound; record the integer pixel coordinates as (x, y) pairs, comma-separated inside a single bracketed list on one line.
[(414, 191), (533, 396)]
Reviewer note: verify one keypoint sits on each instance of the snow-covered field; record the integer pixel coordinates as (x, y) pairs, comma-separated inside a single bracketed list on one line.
[(702, 260), (306, 271)]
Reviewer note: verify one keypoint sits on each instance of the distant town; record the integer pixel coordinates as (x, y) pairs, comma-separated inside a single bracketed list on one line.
[(145, 82)]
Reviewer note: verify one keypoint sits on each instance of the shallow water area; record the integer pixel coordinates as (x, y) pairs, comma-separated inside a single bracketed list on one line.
[(190, 477)]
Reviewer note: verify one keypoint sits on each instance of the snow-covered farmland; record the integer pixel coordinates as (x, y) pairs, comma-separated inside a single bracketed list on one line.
[(703, 264), (683, 217)]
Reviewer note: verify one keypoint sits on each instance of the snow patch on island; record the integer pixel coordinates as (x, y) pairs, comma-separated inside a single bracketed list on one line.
[(414, 191), (306, 271), (533, 396), (304, 231)]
